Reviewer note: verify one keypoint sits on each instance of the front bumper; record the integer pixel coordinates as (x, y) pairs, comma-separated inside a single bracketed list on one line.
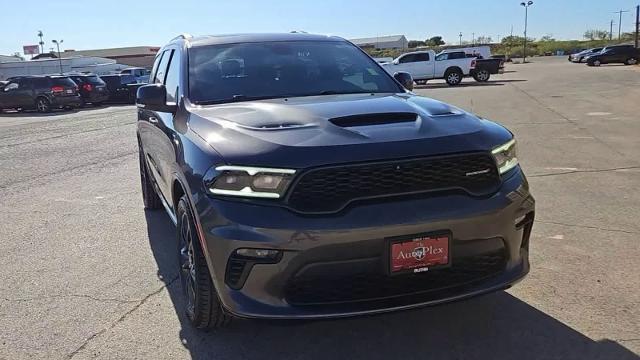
[(351, 247)]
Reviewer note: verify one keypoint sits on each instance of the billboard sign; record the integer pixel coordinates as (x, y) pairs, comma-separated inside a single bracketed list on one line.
[(31, 49)]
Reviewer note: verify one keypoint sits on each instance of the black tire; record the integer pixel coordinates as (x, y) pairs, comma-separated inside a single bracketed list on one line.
[(149, 196), (43, 105), (453, 77), (631, 61), (482, 75), (202, 306)]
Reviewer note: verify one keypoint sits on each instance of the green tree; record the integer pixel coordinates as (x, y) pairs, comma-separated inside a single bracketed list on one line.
[(416, 43), (484, 40), (435, 41), (594, 34)]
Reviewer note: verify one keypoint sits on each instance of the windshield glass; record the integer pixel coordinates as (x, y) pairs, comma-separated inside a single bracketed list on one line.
[(249, 71)]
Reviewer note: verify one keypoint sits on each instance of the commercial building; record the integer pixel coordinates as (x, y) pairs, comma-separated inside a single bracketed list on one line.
[(141, 56), (8, 58), (395, 42)]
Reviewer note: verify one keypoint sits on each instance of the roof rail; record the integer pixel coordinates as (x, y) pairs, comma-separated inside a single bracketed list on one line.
[(182, 36)]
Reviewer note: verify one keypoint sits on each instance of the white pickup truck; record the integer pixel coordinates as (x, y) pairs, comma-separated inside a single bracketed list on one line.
[(426, 65)]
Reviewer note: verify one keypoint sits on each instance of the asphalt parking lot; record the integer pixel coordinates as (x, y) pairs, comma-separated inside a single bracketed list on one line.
[(86, 273)]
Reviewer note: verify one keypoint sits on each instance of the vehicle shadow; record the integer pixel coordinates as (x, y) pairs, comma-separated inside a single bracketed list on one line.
[(468, 83), (34, 113), (497, 326), (57, 112)]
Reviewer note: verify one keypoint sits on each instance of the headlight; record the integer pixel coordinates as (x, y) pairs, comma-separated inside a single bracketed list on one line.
[(251, 181), (505, 156)]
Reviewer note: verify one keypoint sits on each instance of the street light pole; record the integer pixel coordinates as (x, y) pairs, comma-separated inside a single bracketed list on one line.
[(460, 38), (59, 58), (526, 19), (40, 35)]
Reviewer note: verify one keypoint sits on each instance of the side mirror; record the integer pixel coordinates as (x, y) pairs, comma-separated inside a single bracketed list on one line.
[(405, 79), (154, 97), (396, 62)]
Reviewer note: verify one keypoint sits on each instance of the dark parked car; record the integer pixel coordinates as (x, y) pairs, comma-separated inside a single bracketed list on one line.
[(92, 89), (305, 182), (41, 93), (620, 54), (122, 87)]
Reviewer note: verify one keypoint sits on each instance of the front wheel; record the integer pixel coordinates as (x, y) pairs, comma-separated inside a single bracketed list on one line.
[(203, 308), (453, 77), (482, 75), (597, 63)]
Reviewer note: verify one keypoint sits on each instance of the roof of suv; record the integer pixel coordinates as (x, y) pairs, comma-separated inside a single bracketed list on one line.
[(245, 38)]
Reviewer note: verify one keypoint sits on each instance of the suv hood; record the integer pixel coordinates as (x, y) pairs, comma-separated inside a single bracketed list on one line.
[(319, 130)]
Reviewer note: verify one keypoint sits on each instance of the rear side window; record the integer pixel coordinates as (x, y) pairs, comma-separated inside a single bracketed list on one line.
[(40, 83), (127, 79), (408, 59), (162, 67), (422, 57), (95, 80), (63, 81)]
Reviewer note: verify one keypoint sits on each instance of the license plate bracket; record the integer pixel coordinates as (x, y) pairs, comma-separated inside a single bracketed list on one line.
[(419, 252)]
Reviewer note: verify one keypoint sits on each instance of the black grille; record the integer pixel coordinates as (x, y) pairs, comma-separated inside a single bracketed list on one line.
[(235, 272), (330, 189), (335, 289)]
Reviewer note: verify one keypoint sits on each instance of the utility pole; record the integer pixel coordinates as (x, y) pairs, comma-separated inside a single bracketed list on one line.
[(460, 38), (40, 35), (59, 58), (637, 24), (473, 39), (611, 31), (620, 22)]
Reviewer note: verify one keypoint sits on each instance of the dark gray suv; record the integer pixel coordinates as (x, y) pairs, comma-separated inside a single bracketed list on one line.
[(306, 182), (41, 93)]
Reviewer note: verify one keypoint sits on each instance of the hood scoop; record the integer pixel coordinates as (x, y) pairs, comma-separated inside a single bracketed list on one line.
[(374, 119)]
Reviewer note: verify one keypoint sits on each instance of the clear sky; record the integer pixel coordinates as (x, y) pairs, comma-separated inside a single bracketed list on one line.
[(99, 24)]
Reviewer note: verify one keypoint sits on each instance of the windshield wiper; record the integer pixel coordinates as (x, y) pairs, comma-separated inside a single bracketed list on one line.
[(335, 92)]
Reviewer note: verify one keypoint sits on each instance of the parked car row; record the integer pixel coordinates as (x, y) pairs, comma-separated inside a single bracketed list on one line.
[(47, 92), (616, 54)]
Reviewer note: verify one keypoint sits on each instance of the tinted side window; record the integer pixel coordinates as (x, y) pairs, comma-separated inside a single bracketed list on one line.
[(422, 57), (173, 77), (408, 59), (154, 69), (162, 68), (456, 55)]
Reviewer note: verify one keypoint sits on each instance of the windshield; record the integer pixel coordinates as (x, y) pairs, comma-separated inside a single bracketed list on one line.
[(249, 71)]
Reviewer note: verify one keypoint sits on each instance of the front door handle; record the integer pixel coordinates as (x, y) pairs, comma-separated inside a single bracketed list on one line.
[(153, 119)]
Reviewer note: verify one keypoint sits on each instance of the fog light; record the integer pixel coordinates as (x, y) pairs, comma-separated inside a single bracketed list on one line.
[(258, 253)]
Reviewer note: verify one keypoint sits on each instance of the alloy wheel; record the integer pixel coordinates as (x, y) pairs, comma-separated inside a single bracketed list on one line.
[(187, 264), (453, 78), (42, 105), (483, 75)]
